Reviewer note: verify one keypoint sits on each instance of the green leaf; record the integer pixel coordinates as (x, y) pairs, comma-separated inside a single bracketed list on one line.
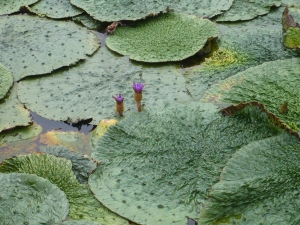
[(30, 49), (177, 36), (158, 166), (58, 171), (55, 9), (274, 84), (292, 38), (77, 222), (29, 199), (248, 9), (259, 185), (6, 80), (12, 112), (11, 6), (115, 10), (238, 50), (81, 165), (88, 21), (85, 90)]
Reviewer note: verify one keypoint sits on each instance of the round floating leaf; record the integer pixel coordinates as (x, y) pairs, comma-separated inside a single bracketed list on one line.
[(55, 9), (6, 80), (11, 6), (177, 36), (12, 112), (77, 222), (238, 50), (81, 165), (248, 9), (85, 90), (83, 205), (259, 185), (88, 21), (27, 48), (29, 199), (157, 166), (274, 84), (116, 10)]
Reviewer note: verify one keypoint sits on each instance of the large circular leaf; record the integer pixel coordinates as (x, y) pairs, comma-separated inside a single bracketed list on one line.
[(116, 10), (274, 84), (259, 185), (29, 199), (157, 166), (6, 80), (11, 6), (27, 48), (168, 37), (85, 90)]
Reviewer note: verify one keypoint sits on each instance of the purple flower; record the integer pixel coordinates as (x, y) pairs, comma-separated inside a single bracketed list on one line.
[(119, 98), (138, 87)]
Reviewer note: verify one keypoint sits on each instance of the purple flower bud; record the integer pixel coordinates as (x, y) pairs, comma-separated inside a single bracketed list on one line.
[(138, 87), (119, 98)]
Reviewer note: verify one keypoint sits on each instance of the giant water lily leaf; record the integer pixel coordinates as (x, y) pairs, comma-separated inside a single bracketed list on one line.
[(83, 205), (6, 80), (85, 90), (55, 9), (238, 50), (259, 185), (81, 165), (27, 48), (157, 166), (29, 199), (12, 112), (88, 21), (248, 9), (116, 10), (11, 6), (274, 84), (177, 36)]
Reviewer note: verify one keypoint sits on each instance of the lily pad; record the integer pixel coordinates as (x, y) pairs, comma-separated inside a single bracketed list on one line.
[(116, 10), (29, 199), (27, 48), (239, 49), (88, 21), (6, 80), (248, 9), (157, 166), (259, 185), (85, 90), (83, 205), (78, 222), (12, 112), (274, 84), (81, 165), (55, 9), (177, 37), (101, 129), (11, 6)]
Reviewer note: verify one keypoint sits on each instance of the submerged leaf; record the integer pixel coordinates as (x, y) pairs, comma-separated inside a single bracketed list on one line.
[(27, 48), (29, 199), (157, 166), (84, 91), (272, 84), (259, 185)]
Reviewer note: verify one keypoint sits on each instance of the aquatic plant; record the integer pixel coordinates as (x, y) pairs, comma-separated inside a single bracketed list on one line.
[(119, 104), (138, 94)]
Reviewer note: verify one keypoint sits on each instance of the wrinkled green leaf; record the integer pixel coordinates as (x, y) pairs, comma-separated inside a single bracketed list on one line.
[(12, 112), (292, 38), (55, 9), (272, 84), (58, 171), (85, 90), (259, 185), (116, 10), (29, 199), (157, 166), (11, 6), (27, 48), (248, 9), (238, 50), (81, 165), (177, 36), (6, 80)]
